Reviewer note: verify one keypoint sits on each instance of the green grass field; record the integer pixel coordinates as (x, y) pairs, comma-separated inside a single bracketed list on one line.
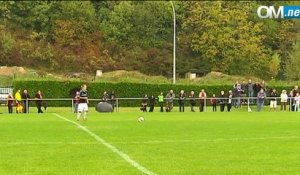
[(165, 144)]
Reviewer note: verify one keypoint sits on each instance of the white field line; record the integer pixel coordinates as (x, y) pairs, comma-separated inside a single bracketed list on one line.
[(111, 147), (47, 143), (208, 140)]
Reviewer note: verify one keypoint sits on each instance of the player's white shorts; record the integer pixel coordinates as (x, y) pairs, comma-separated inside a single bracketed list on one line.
[(83, 107), (273, 104)]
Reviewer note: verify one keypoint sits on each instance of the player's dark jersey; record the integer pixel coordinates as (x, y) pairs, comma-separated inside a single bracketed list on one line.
[(83, 94)]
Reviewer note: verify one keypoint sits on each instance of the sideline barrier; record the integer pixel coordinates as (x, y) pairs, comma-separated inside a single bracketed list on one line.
[(240, 102)]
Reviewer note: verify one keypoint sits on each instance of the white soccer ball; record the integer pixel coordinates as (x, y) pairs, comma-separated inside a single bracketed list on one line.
[(141, 119)]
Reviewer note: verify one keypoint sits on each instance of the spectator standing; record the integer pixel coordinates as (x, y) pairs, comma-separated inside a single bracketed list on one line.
[(273, 100), (237, 93), (297, 102), (104, 97), (256, 88), (18, 99), (236, 84), (264, 85), (112, 99), (76, 101), (222, 101), (260, 99), (295, 91), (250, 91), (213, 102), (202, 96), (243, 92), (229, 102), (10, 103), (192, 100), (170, 99), (151, 103), (291, 101), (144, 103), (38, 101), (283, 100), (181, 101), (161, 101), (25, 101)]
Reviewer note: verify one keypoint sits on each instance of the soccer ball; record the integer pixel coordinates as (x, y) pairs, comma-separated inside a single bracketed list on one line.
[(141, 119)]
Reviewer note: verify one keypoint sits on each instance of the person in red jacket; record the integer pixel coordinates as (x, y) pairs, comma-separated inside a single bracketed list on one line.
[(76, 101), (213, 102)]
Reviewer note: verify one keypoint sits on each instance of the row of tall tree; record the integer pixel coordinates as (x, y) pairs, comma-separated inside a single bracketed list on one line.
[(83, 36)]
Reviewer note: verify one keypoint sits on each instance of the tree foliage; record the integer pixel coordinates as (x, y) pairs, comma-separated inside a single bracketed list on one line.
[(83, 36), (293, 65)]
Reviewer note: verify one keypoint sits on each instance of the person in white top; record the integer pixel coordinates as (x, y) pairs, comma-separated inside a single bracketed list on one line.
[(297, 102), (283, 100)]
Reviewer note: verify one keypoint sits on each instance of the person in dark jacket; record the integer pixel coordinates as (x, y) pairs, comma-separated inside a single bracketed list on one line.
[(295, 91), (151, 103), (229, 102), (38, 101), (256, 88), (112, 99), (104, 97), (291, 101), (192, 100), (222, 101), (181, 101), (25, 101)]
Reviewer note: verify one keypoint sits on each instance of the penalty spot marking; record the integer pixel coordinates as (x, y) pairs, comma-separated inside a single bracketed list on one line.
[(109, 146)]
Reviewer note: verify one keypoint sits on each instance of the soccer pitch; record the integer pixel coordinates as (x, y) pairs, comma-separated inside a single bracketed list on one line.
[(165, 144)]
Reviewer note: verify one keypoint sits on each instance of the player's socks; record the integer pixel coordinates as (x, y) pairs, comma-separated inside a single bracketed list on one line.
[(84, 116), (78, 116)]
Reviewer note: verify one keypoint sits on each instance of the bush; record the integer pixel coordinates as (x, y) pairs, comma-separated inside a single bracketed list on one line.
[(66, 89)]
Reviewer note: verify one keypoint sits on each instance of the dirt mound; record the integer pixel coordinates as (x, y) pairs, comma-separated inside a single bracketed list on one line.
[(4, 70), (124, 73), (213, 73)]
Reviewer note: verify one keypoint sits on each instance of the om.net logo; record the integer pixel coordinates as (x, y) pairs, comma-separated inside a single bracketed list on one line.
[(282, 12)]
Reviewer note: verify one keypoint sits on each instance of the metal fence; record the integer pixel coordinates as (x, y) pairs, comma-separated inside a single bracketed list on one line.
[(240, 102)]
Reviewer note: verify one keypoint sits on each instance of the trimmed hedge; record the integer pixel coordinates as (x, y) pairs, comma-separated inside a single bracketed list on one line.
[(63, 89)]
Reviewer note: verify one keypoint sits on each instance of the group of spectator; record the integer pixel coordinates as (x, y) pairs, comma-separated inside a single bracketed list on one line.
[(21, 101), (242, 93), (167, 102)]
